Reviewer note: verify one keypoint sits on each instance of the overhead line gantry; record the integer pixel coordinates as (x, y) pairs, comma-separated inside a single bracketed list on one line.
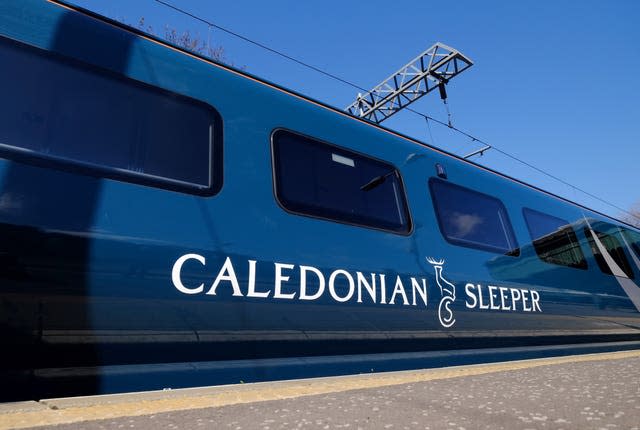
[(432, 69)]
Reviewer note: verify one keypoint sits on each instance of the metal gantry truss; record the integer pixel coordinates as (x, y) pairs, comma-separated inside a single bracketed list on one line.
[(430, 70)]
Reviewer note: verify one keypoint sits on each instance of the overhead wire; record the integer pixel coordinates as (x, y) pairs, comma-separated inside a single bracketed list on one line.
[(260, 45), (425, 116), (429, 129), (519, 160)]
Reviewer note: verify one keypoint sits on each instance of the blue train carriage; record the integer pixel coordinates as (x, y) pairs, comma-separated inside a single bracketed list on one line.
[(169, 221)]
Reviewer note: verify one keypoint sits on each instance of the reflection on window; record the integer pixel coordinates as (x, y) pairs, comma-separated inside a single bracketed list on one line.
[(321, 180), (614, 249), (74, 114), (469, 218), (633, 239), (554, 240)]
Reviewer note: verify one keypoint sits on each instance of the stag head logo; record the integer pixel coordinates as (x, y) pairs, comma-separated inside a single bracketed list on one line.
[(448, 291)]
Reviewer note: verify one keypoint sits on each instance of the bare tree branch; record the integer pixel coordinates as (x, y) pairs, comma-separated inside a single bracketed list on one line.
[(185, 40), (633, 217)]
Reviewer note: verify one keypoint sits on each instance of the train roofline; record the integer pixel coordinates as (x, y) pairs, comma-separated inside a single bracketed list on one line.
[(153, 38)]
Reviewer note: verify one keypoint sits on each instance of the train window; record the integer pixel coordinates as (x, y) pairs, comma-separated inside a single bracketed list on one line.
[(613, 248), (633, 239), (469, 218), (321, 180), (68, 114), (554, 239)]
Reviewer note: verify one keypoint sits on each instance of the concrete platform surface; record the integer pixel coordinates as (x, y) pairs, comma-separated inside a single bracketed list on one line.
[(595, 391)]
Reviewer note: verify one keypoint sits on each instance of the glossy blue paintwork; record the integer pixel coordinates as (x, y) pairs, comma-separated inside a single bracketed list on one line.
[(87, 261)]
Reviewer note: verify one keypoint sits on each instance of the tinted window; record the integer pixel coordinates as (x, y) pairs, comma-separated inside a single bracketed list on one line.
[(633, 239), (472, 219), (554, 240), (74, 114), (322, 180), (614, 249)]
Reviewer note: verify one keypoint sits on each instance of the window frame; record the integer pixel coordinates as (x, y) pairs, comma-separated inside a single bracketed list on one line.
[(38, 159), (470, 244), (584, 266), (402, 193)]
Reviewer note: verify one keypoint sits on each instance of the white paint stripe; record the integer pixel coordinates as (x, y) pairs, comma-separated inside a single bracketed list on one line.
[(629, 287), (613, 266), (631, 251), (632, 290)]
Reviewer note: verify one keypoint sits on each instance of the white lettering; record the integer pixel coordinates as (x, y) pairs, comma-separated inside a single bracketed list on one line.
[(383, 290), (332, 287), (370, 287), (503, 298), (525, 298), (492, 296), (177, 268), (515, 296), (303, 283), (399, 289), (279, 279), (251, 289), (415, 286), (226, 273), (535, 300), (482, 306), (487, 297), (469, 290)]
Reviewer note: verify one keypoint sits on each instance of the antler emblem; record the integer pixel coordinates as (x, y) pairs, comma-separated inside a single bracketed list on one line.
[(434, 261), (448, 291)]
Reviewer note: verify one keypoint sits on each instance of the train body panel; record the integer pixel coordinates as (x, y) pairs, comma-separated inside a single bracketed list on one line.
[(113, 266)]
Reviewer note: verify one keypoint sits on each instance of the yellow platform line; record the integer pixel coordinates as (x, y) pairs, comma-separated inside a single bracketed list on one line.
[(154, 402)]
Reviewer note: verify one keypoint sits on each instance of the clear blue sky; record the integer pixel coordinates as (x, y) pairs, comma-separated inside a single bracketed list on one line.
[(555, 83)]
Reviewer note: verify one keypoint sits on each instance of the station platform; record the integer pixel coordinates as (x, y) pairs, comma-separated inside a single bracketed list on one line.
[(599, 391)]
